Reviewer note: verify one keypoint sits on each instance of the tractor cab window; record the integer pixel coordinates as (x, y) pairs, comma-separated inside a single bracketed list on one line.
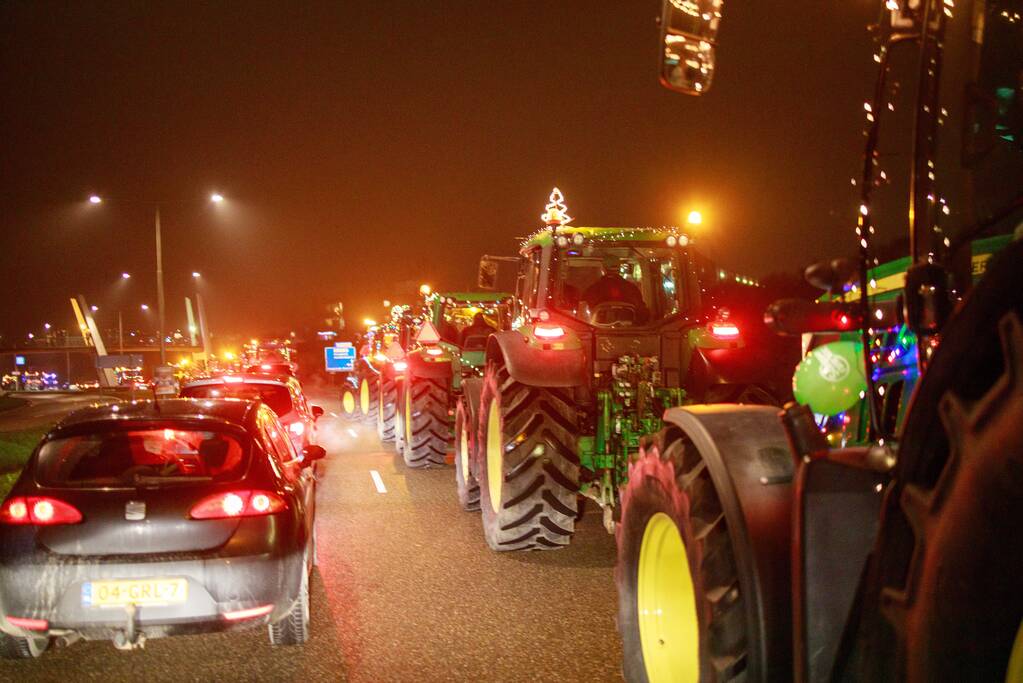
[(618, 286), (471, 323), (529, 279)]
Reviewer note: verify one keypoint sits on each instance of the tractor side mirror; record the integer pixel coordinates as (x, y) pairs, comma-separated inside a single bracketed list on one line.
[(688, 43), (312, 453), (317, 412), (487, 276), (797, 316)]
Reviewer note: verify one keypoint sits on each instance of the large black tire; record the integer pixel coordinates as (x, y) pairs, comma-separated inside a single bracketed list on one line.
[(293, 628), (465, 456), (387, 393), (368, 398), (427, 421), (943, 599), (16, 647), (528, 464), (690, 576)]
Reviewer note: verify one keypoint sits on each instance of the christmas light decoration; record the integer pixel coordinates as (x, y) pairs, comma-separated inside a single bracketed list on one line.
[(555, 214)]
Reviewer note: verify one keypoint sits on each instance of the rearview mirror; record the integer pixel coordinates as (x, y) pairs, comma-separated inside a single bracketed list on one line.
[(312, 453), (317, 412), (688, 41), (487, 276)]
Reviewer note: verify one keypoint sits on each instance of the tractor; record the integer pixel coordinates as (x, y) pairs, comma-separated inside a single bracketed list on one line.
[(449, 347), (610, 327), (752, 549)]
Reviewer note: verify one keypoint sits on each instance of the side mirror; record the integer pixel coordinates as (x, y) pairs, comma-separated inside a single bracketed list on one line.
[(487, 276), (317, 412), (688, 41), (312, 453)]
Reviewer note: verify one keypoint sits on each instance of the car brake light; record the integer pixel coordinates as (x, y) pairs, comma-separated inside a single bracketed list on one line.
[(296, 428), (250, 613), (400, 366), (230, 504), (234, 380), (435, 351), (545, 331), (724, 330), (29, 624), (40, 511), (265, 366)]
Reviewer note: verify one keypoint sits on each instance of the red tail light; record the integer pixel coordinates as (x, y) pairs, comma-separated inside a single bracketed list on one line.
[(434, 351), (400, 366), (38, 510), (724, 330), (28, 624), (548, 331), (230, 504)]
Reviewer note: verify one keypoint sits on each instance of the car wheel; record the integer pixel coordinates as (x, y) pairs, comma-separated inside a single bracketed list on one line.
[(293, 627), (15, 647)]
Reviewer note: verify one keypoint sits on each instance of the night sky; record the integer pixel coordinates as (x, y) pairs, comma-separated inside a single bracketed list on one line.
[(365, 147)]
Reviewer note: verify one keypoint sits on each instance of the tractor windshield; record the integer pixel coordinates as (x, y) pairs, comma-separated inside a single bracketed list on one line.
[(469, 324), (617, 286)]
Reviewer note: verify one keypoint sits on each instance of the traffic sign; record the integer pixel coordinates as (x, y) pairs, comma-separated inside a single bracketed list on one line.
[(19, 361), (340, 357), (428, 334)]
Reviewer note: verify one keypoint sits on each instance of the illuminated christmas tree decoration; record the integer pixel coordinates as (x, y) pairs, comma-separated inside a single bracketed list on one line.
[(555, 213)]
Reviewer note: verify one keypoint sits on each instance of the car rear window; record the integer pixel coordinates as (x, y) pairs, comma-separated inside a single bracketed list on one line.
[(277, 397), (146, 457)]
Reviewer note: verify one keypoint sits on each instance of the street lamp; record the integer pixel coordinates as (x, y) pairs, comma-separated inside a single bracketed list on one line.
[(144, 307), (216, 198), (125, 276), (694, 217), (195, 274)]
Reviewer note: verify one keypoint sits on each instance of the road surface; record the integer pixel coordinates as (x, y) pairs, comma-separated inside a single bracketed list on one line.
[(45, 408), (405, 590)]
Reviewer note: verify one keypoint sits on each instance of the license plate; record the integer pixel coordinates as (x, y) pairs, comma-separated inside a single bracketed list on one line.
[(134, 592)]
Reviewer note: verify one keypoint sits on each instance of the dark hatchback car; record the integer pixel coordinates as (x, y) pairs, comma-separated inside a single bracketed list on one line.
[(142, 520)]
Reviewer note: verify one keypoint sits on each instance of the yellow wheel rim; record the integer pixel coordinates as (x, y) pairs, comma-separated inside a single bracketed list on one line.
[(463, 453), (364, 396), (1014, 674), (668, 628), (348, 403), (380, 411), (408, 417), (495, 456)]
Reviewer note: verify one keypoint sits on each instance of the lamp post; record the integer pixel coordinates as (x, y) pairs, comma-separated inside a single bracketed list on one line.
[(215, 198)]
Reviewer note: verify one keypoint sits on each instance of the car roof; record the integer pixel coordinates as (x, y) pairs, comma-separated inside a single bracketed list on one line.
[(244, 377), (232, 412)]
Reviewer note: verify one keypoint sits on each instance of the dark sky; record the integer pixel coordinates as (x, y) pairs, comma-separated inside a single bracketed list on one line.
[(365, 146)]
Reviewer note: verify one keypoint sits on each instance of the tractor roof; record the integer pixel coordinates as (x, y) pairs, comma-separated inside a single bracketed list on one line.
[(652, 235), (474, 297)]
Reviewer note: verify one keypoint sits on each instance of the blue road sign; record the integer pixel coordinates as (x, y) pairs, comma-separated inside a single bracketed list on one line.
[(340, 357), (19, 361)]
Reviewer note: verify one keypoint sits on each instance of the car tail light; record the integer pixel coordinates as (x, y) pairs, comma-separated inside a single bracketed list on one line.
[(400, 366), (230, 504), (435, 351), (724, 330), (296, 428), (28, 624), (250, 613), (548, 331), (38, 510), (265, 366)]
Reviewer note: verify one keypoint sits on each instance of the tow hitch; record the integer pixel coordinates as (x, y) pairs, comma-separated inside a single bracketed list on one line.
[(130, 638)]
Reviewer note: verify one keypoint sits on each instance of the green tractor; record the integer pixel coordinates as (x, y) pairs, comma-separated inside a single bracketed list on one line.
[(611, 327), (448, 348), (752, 549)]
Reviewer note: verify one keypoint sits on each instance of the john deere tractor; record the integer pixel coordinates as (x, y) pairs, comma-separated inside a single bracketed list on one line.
[(611, 327), (751, 549), (449, 347)]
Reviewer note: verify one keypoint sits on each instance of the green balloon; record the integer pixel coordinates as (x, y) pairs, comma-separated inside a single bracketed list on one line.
[(830, 379)]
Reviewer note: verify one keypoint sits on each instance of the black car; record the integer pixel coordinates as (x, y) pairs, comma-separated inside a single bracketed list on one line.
[(140, 520)]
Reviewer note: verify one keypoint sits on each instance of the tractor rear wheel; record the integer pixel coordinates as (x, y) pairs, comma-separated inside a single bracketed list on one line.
[(465, 456), (528, 465), (427, 421), (681, 613), (387, 393)]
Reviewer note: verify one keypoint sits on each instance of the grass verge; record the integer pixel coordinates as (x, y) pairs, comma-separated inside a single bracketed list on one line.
[(15, 448)]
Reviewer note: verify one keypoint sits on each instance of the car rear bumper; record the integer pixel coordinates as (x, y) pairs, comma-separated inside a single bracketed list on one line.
[(220, 595)]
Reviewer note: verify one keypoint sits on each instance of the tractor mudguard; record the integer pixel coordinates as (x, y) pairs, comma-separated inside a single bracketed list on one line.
[(538, 367), (472, 388), (747, 456), (837, 510), (419, 366)]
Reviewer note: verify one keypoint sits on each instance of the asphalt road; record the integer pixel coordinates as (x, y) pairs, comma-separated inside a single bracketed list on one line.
[(406, 590), (45, 408)]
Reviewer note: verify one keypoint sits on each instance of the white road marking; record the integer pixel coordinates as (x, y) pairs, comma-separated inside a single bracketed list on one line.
[(333, 414), (352, 433), (377, 481)]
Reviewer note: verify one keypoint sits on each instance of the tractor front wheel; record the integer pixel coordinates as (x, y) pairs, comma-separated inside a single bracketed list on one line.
[(465, 456), (528, 464), (681, 612)]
